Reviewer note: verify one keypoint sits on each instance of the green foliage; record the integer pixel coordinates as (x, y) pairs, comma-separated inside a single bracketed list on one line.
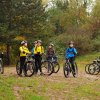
[(59, 22), (77, 25), (96, 43)]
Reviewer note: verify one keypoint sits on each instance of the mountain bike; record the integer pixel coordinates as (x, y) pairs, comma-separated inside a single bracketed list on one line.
[(55, 63), (30, 67), (93, 68), (1, 64), (50, 66), (67, 69)]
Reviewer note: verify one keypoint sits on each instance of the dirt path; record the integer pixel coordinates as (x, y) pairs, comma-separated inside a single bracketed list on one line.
[(16, 90), (58, 79), (11, 71)]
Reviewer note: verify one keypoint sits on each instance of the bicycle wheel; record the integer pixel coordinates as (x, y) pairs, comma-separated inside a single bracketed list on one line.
[(86, 68), (92, 68), (66, 70), (30, 68), (56, 67), (1, 67), (18, 67), (75, 74), (96, 69), (47, 68)]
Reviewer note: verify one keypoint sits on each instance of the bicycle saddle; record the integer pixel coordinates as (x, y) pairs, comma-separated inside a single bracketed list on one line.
[(98, 61), (94, 61)]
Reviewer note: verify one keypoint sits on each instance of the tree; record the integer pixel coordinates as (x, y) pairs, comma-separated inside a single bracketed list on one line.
[(21, 18), (95, 20)]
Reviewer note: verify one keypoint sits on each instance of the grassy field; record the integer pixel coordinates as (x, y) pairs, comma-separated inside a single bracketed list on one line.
[(54, 87)]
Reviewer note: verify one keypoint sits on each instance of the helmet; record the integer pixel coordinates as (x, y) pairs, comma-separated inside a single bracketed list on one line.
[(35, 42), (51, 44), (23, 42), (71, 42), (39, 41)]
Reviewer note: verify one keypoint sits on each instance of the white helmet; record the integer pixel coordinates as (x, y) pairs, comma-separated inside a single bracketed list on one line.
[(39, 41), (51, 44), (23, 42)]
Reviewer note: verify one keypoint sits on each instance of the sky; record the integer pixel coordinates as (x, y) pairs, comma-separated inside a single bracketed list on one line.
[(89, 8)]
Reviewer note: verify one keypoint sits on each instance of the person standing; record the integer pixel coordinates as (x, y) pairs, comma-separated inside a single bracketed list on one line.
[(23, 53), (38, 51)]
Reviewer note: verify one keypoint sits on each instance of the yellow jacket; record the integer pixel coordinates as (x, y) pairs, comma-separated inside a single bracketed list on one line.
[(24, 51), (39, 49)]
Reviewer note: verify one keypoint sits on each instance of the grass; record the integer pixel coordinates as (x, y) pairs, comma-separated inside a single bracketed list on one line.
[(6, 90), (54, 87)]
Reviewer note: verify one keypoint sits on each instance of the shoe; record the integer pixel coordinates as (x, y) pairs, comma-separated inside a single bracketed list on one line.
[(74, 74), (25, 73), (20, 75), (41, 73)]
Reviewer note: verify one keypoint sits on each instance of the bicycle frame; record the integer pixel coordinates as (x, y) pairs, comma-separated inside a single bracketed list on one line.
[(28, 59), (68, 62), (27, 63), (53, 60), (98, 64)]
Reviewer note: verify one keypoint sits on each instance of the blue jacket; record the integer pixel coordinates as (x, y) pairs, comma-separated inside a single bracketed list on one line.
[(32, 52), (71, 52)]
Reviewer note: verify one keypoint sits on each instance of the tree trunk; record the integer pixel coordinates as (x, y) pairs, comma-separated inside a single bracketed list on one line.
[(8, 54)]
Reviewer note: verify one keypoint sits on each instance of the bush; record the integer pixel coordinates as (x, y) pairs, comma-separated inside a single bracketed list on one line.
[(83, 42), (96, 44)]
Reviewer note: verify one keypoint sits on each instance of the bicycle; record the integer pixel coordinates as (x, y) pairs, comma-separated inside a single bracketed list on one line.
[(67, 69), (1, 64), (30, 66), (93, 68), (50, 66)]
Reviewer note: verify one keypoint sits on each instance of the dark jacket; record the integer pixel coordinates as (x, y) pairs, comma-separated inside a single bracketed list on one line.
[(50, 52)]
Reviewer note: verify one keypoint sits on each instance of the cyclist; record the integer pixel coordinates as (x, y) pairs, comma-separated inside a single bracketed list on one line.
[(38, 51), (71, 53), (50, 52), (23, 53)]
